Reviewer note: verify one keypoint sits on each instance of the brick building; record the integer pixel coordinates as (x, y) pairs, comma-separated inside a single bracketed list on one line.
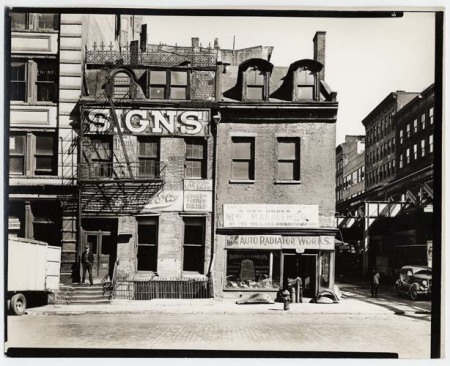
[(350, 168), (170, 160), (391, 223), (275, 211)]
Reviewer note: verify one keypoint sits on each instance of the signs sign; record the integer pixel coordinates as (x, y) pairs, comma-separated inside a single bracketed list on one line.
[(271, 216), (274, 242), (152, 121)]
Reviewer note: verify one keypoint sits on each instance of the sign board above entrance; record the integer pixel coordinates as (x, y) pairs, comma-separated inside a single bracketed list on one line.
[(273, 242), (183, 122), (271, 216)]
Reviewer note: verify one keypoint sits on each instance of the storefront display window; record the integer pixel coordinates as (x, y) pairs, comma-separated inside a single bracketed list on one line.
[(250, 269)]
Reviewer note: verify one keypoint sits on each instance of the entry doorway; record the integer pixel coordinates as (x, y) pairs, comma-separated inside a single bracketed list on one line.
[(101, 247), (304, 266)]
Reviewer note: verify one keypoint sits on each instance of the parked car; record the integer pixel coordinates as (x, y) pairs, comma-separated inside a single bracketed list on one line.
[(414, 281)]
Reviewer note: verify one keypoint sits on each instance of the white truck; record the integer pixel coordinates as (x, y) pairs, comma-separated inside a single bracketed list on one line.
[(33, 268)]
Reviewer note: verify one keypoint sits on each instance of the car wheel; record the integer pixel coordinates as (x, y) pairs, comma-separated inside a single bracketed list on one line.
[(18, 304), (413, 293)]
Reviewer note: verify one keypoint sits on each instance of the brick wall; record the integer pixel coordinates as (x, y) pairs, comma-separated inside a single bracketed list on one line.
[(202, 85)]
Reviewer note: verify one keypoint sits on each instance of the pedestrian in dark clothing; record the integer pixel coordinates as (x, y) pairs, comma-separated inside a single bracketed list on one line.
[(87, 260), (374, 283)]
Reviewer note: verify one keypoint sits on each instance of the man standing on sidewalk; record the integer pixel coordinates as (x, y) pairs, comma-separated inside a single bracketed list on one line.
[(87, 260), (374, 283)]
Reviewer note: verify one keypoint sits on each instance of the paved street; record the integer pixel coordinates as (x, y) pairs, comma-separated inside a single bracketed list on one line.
[(269, 329)]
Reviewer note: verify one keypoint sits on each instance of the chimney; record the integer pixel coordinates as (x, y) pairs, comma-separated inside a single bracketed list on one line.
[(195, 42), (216, 43), (319, 51)]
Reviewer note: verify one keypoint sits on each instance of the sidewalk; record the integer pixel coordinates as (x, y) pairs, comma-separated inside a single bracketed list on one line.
[(347, 305)]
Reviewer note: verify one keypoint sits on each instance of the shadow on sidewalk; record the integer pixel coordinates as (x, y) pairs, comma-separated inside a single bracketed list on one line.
[(387, 299)]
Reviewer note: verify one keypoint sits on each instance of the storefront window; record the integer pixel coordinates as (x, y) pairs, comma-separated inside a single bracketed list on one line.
[(250, 269)]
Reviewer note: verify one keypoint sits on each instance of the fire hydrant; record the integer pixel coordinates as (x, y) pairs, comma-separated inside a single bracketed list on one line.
[(286, 299)]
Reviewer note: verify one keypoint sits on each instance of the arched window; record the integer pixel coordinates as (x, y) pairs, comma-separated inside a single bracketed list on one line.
[(122, 85)]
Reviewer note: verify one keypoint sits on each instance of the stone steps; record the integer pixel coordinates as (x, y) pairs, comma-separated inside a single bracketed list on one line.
[(83, 294)]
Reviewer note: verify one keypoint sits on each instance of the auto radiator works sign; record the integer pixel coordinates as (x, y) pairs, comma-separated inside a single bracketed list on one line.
[(273, 242), (151, 121)]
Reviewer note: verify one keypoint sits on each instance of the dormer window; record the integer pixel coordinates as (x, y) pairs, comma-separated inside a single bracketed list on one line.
[(169, 84), (256, 84), (305, 81)]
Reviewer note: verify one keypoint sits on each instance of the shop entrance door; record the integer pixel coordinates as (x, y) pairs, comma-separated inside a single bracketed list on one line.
[(303, 266), (101, 245)]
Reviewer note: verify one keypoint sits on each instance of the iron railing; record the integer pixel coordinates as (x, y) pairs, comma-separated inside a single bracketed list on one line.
[(157, 56), (106, 170), (159, 288)]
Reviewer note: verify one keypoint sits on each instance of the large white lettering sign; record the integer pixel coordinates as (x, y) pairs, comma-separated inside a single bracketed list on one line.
[(165, 201), (274, 242), (151, 121), (271, 216)]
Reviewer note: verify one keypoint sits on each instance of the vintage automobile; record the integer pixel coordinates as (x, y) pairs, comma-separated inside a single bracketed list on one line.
[(414, 281)]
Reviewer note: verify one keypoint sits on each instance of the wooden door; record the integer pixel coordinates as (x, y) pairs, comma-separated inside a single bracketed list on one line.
[(101, 246)]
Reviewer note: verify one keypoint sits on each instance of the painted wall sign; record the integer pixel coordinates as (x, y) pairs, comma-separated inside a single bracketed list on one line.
[(13, 223), (165, 201), (270, 216), (200, 201), (274, 242), (198, 185), (151, 121)]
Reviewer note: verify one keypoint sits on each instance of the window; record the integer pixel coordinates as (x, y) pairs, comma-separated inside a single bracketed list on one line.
[(362, 173), (243, 165), (422, 121), (400, 161), (289, 159), (408, 130), (305, 85), (195, 165), (121, 85), (415, 151), (148, 157), (422, 147), (415, 125), (17, 145), (18, 81), (34, 22), (101, 157), (147, 251), (194, 244), (46, 81), (42, 148), (431, 143), (34, 81), (431, 115), (256, 81), (169, 84), (407, 156)]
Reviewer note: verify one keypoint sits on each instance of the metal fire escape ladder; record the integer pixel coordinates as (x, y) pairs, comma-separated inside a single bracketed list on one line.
[(109, 88)]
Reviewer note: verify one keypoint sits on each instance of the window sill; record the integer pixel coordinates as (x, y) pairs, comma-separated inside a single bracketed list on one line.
[(288, 182), (35, 31), (32, 104), (242, 181)]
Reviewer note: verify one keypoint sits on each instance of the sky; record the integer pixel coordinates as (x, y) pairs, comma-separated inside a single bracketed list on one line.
[(366, 59)]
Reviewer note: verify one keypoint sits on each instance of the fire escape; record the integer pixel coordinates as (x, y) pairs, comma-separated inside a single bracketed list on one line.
[(110, 181)]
